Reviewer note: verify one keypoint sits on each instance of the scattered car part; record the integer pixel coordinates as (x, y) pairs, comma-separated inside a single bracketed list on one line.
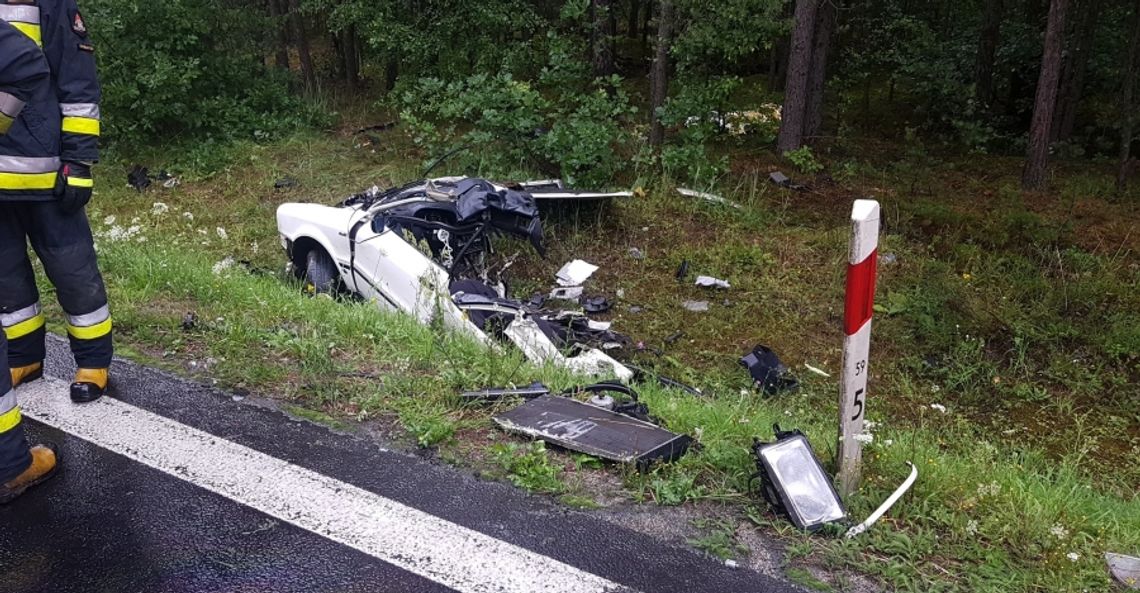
[(285, 183), (690, 193), (696, 306), (601, 400), (887, 504), (636, 253), (567, 293), (817, 371), (596, 305), (189, 321), (581, 427), (682, 271), (710, 282), (138, 178), (575, 273), (782, 180), (794, 483), (768, 373), (1125, 569), (492, 394)]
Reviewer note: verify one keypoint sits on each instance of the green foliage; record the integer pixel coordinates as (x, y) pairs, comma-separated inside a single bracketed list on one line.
[(528, 466), (507, 127), (188, 70), (804, 160), (719, 539)]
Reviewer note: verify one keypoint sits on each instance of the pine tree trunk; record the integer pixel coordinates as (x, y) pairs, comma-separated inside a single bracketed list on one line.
[(602, 38), (824, 27), (647, 15), (351, 58), (302, 38), (1128, 103), (799, 66), (1033, 178), (1075, 67), (987, 50), (282, 52), (659, 76), (634, 19)]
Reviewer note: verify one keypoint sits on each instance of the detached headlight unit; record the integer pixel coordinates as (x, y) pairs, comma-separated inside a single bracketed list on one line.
[(794, 483)]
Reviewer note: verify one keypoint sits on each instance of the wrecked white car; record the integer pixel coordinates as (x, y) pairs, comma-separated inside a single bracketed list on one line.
[(424, 249)]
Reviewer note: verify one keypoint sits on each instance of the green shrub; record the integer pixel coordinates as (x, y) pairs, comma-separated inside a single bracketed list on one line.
[(186, 70)]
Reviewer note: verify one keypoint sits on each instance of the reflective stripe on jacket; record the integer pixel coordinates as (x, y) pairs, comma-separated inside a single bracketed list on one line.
[(59, 122)]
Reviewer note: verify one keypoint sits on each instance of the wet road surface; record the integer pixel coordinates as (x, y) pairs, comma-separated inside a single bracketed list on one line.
[(110, 523)]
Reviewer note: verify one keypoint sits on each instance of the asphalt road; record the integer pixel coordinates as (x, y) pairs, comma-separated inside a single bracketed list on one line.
[(117, 521)]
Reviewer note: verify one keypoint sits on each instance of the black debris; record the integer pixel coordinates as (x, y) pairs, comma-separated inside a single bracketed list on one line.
[(595, 431), (189, 321), (285, 183), (674, 337), (782, 180), (377, 128), (595, 304), (139, 178), (768, 373), (682, 271)]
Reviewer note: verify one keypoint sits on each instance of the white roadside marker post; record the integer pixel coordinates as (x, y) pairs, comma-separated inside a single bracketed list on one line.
[(861, 272)]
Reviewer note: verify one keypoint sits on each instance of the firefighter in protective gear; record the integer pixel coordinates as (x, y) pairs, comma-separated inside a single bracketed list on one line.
[(23, 73), (45, 181)]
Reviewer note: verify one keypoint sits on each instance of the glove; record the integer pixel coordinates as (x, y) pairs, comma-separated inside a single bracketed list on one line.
[(75, 187)]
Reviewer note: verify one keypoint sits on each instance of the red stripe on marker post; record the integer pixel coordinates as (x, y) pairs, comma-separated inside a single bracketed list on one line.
[(861, 273)]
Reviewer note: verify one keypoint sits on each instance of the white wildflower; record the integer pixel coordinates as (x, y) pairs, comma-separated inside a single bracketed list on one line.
[(188, 215), (1058, 531), (938, 407), (223, 265), (1073, 556), (159, 208), (135, 220), (864, 438), (869, 425), (222, 233), (110, 220), (991, 489), (888, 442), (972, 527)]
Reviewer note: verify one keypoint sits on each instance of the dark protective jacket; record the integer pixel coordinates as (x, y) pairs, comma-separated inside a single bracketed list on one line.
[(60, 122), (22, 71)]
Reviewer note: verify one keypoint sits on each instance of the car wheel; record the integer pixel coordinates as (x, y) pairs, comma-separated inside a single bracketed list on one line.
[(320, 272)]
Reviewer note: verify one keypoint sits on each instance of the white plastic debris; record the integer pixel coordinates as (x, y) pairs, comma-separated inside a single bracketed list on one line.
[(575, 273), (887, 504), (568, 293), (817, 371), (692, 193), (599, 325), (1125, 569), (710, 282), (696, 306)]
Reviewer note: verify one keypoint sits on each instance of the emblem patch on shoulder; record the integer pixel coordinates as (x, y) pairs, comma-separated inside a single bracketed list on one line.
[(78, 26)]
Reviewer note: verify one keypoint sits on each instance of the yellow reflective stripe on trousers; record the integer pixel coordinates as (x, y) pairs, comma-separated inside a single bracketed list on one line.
[(27, 180), (5, 123), (9, 420), (24, 328), (81, 182), (30, 30), (81, 125), (90, 332)]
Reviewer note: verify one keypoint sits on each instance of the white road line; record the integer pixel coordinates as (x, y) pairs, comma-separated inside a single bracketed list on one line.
[(450, 554)]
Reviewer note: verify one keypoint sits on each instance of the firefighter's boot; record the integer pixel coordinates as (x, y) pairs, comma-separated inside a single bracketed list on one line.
[(45, 462), (89, 385), (27, 373)]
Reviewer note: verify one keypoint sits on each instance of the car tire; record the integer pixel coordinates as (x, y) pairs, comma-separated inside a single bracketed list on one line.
[(320, 272)]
